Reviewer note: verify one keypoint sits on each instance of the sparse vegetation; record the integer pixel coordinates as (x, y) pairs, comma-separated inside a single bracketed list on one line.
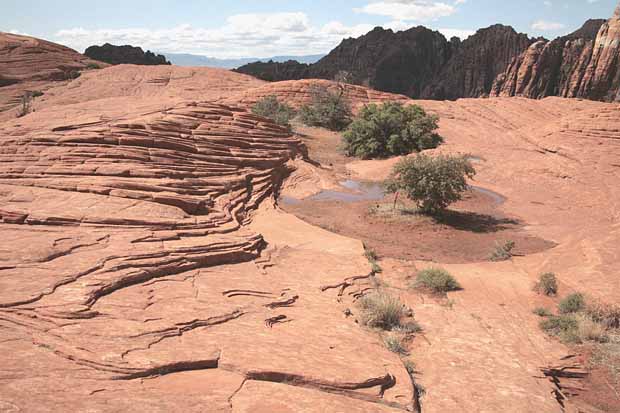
[(547, 284), (26, 105), (381, 310), (605, 314), (408, 328), (572, 304), (372, 258), (410, 367), (436, 280), (579, 322), (394, 343), (36, 93), (564, 326), (269, 107), (433, 183), (542, 312), (328, 109), (390, 129), (503, 251), (93, 66)]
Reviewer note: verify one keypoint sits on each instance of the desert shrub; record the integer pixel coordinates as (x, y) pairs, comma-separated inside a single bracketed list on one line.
[(328, 109), (394, 343), (606, 314), (36, 93), (390, 129), (372, 258), (93, 66), (433, 183), (269, 107), (589, 330), (565, 326), (542, 312), (408, 328), (502, 252), (547, 284), (572, 304), (436, 280), (381, 310)]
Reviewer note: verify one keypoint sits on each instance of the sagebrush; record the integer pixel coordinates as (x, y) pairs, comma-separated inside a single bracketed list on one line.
[(329, 109)]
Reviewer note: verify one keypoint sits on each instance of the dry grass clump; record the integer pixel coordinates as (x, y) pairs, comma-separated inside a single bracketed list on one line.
[(395, 344), (542, 312), (502, 252), (606, 314), (436, 280), (547, 284), (381, 310)]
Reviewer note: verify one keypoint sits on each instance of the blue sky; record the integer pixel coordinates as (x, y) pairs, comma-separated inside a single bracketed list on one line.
[(276, 27)]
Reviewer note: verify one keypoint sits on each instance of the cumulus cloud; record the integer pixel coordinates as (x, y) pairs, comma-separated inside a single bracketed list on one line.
[(243, 35), (409, 10), (547, 25)]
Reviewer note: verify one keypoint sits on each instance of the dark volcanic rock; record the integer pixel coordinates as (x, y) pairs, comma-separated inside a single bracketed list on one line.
[(496, 61), (476, 63), (276, 71), (118, 55), (418, 62)]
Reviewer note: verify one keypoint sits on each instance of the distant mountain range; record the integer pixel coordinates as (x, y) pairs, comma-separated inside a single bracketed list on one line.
[(496, 61), (184, 59)]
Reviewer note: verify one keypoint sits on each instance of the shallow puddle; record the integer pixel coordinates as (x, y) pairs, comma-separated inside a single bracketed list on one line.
[(357, 191)]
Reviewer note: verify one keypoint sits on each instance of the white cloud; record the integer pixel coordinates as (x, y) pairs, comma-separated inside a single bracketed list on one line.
[(409, 10), (547, 3), (243, 35), (547, 25), (462, 34)]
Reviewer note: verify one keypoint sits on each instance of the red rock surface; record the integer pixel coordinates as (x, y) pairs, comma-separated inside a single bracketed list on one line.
[(30, 64), (144, 265)]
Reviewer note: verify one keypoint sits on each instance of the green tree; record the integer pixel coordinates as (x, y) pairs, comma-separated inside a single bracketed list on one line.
[(391, 129), (269, 107), (433, 183), (328, 109)]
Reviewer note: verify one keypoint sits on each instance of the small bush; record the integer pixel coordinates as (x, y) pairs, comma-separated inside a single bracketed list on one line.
[(390, 129), (372, 258), (394, 343), (547, 284), (433, 183), (36, 93), (93, 66), (437, 280), (542, 312), (409, 328), (328, 109), (502, 252), (590, 330), (605, 314), (572, 304), (269, 107), (565, 326), (381, 310)]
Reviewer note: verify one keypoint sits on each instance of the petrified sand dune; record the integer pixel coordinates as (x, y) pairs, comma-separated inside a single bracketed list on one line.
[(30, 64), (144, 265)]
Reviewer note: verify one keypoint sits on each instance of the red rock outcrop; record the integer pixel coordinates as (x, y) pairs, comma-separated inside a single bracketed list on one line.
[(584, 64), (29, 64)]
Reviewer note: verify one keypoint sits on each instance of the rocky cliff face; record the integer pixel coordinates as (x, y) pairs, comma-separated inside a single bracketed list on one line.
[(117, 55), (496, 61), (583, 64), (418, 62), (476, 63)]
